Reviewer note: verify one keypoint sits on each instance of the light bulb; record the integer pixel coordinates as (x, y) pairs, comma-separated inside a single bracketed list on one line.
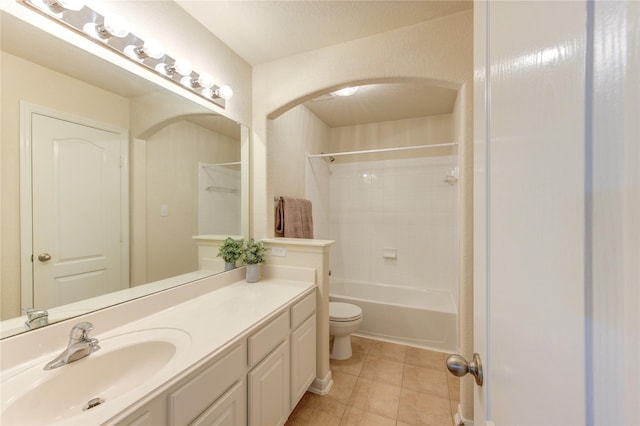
[(182, 66), (205, 80), (153, 49), (58, 6), (61, 5), (133, 52), (225, 92), (113, 26), (150, 49), (116, 26), (71, 4), (91, 29)]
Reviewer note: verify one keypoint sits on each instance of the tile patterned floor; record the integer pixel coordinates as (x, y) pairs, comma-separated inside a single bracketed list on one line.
[(383, 384)]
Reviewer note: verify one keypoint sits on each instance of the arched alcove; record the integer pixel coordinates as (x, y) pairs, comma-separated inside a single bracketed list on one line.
[(440, 50), (421, 85)]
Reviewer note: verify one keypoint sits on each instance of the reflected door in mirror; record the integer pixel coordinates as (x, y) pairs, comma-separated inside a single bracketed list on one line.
[(77, 212)]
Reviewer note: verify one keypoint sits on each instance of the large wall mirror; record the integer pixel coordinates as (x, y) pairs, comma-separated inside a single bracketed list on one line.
[(98, 163)]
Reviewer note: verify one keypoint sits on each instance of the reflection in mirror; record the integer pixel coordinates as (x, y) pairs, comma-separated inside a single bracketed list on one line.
[(178, 174), (192, 188)]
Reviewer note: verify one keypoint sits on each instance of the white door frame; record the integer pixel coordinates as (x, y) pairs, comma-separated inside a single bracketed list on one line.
[(26, 189)]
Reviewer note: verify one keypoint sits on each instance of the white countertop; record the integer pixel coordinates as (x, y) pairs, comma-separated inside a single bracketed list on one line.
[(212, 322)]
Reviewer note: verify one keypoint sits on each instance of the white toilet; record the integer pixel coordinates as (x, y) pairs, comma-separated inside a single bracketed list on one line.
[(344, 319)]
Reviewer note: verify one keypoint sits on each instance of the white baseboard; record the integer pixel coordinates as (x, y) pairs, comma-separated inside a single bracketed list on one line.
[(322, 386), (458, 420)]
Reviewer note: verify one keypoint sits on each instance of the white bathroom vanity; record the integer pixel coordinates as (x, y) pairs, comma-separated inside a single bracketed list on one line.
[(216, 351)]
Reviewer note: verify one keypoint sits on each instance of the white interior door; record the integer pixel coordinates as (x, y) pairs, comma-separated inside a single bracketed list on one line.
[(530, 177), (77, 211), (557, 212)]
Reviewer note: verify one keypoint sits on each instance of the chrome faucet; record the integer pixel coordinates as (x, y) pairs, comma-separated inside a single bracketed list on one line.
[(80, 345), (36, 318)]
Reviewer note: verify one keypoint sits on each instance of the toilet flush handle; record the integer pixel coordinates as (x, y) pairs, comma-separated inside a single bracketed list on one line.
[(458, 366)]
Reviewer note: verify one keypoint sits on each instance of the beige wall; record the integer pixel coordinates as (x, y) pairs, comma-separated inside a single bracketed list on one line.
[(24, 81), (172, 156), (429, 130), (440, 50), (291, 136)]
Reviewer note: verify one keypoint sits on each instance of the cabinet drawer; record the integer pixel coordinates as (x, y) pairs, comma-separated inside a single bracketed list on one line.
[(303, 310), (200, 392), (270, 336)]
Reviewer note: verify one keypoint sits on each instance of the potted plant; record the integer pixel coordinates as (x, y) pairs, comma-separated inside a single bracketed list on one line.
[(253, 256), (230, 251)]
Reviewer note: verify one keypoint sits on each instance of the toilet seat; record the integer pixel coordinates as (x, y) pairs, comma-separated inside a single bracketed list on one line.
[(344, 312)]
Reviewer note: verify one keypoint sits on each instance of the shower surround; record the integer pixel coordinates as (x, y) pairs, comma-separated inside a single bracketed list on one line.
[(395, 223)]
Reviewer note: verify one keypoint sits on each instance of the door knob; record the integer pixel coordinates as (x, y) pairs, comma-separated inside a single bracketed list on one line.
[(44, 257), (458, 366)]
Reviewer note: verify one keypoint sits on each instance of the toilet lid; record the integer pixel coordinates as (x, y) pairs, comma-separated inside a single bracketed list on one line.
[(339, 311)]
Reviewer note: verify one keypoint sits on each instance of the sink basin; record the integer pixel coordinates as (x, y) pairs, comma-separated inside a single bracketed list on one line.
[(125, 364)]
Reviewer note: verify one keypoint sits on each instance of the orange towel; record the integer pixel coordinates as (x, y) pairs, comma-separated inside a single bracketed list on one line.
[(294, 218)]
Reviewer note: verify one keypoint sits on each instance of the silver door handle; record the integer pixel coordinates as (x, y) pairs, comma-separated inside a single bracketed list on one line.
[(458, 366), (44, 257)]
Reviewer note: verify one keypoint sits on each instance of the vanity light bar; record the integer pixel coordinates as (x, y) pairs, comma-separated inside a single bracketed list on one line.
[(113, 32)]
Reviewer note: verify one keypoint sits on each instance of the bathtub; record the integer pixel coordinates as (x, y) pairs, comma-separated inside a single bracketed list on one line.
[(424, 318)]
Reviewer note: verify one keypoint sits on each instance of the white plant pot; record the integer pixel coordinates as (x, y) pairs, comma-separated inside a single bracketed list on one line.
[(229, 266), (253, 273)]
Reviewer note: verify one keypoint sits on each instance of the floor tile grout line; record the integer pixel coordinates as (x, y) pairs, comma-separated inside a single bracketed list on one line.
[(404, 365), (367, 353)]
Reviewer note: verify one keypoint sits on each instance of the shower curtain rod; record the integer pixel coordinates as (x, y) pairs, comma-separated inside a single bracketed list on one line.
[(234, 163), (370, 151)]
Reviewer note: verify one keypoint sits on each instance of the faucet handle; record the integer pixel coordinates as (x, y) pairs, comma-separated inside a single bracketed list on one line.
[(36, 318), (81, 331), (33, 313)]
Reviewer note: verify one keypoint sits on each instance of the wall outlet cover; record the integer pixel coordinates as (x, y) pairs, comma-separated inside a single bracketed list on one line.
[(278, 252)]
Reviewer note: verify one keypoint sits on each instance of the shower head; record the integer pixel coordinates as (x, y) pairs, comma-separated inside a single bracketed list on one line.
[(324, 156)]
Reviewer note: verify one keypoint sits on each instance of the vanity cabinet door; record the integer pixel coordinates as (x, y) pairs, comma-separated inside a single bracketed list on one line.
[(303, 359), (229, 410), (269, 389), (151, 414), (198, 393)]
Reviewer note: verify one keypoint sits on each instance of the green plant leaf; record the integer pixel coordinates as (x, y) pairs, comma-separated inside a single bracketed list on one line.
[(231, 250)]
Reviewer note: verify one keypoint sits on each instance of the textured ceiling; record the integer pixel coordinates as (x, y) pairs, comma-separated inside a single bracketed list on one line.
[(384, 102), (263, 31)]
